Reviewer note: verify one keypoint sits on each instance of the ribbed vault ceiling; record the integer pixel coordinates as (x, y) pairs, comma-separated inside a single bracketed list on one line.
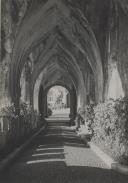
[(65, 43)]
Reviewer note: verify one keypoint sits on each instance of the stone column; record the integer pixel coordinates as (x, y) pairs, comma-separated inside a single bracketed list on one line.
[(73, 106), (6, 50)]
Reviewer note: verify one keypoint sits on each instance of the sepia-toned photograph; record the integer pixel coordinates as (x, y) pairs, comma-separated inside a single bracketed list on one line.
[(63, 91)]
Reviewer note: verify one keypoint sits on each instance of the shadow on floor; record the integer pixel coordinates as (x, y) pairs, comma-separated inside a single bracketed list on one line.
[(58, 172), (44, 162)]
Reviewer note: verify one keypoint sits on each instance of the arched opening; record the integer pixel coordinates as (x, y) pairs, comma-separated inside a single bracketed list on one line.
[(58, 102), (58, 99)]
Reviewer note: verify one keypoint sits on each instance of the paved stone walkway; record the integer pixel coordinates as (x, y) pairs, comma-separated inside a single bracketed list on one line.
[(60, 156)]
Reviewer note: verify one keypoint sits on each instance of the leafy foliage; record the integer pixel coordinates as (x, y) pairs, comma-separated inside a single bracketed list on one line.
[(108, 122), (111, 128), (87, 115), (21, 118), (8, 111)]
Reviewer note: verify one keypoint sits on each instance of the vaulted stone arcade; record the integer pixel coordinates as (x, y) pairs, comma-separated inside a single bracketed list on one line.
[(81, 45), (65, 40)]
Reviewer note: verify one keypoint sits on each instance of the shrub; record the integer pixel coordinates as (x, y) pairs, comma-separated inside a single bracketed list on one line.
[(111, 128), (87, 115), (8, 111), (49, 112), (90, 116), (25, 112), (16, 124), (81, 115)]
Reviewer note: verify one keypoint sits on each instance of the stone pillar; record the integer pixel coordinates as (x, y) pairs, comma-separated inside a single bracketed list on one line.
[(73, 106), (6, 50), (41, 103), (114, 85), (115, 89), (45, 107)]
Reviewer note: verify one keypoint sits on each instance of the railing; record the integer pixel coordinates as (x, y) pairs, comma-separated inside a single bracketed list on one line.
[(14, 130)]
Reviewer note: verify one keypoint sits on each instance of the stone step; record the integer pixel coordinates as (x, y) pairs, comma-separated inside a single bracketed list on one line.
[(58, 123)]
